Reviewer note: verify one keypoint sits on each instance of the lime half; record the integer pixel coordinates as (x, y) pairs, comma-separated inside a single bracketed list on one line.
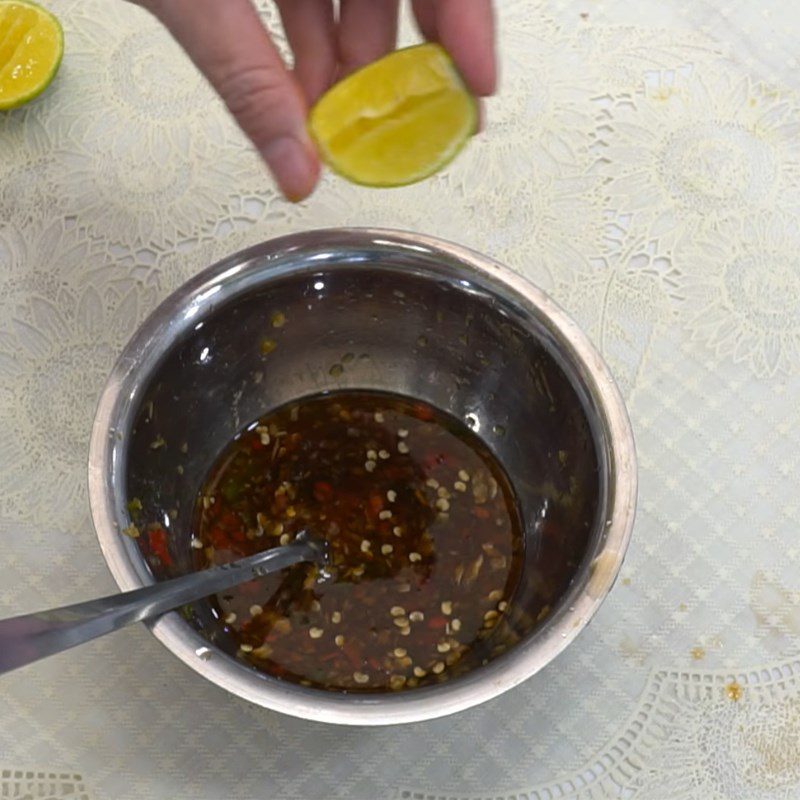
[(31, 46), (397, 120)]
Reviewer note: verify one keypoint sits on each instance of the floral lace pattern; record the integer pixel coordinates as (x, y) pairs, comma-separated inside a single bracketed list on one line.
[(45, 785), (694, 735), (642, 164)]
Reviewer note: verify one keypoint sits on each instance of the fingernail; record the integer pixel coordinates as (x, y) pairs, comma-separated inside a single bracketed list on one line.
[(293, 166)]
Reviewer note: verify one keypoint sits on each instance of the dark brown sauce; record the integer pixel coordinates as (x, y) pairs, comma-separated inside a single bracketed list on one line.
[(425, 538)]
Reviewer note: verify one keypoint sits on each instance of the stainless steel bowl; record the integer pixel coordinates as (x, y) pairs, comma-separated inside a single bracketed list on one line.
[(369, 309)]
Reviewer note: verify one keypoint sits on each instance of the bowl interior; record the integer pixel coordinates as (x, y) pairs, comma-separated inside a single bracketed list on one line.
[(400, 326)]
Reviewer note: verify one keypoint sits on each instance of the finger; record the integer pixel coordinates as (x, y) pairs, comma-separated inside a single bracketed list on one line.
[(465, 28), (367, 30), (425, 15), (230, 46), (311, 31)]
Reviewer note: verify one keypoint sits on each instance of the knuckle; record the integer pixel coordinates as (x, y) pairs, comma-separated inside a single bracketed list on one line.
[(252, 91)]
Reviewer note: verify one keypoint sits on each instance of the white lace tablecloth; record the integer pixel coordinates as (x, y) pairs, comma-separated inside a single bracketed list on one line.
[(642, 163)]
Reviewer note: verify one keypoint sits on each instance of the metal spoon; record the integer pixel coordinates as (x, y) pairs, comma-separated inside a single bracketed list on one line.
[(29, 637)]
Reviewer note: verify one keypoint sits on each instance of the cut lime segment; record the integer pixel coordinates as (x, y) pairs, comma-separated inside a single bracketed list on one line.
[(397, 120)]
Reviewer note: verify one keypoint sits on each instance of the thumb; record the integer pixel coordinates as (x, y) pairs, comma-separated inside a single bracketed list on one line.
[(229, 45)]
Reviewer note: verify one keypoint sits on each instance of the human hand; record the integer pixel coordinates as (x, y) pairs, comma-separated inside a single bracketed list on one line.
[(226, 40)]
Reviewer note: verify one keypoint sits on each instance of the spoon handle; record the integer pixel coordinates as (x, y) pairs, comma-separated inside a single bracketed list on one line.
[(29, 637)]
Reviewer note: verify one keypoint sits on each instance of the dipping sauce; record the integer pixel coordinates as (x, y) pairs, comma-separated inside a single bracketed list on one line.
[(425, 539)]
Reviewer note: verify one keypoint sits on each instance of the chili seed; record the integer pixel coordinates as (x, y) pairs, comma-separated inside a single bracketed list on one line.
[(315, 633), (386, 514), (402, 433), (366, 545), (447, 607), (263, 434), (438, 668), (400, 622), (372, 455), (463, 475), (383, 454), (369, 466), (443, 647), (246, 648), (400, 652), (255, 610), (414, 557), (460, 486), (230, 618), (495, 595), (397, 681), (419, 672), (397, 611), (474, 569), (442, 492), (405, 631), (397, 531), (490, 615), (379, 417), (391, 495), (432, 483), (285, 538), (502, 605), (404, 588), (360, 677), (339, 640), (197, 544), (336, 617), (282, 626), (386, 549), (456, 624), (416, 616), (265, 651), (315, 605), (402, 447), (442, 504)]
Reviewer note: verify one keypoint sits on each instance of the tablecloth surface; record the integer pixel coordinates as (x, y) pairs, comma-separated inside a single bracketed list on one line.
[(641, 163)]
